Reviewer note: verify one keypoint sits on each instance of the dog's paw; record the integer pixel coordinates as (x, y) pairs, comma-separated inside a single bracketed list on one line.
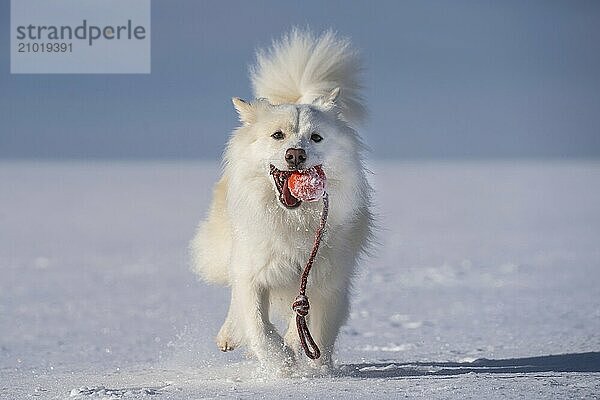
[(225, 345), (225, 340)]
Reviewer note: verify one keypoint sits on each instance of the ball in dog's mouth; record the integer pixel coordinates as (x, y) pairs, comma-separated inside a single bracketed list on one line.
[(297, 186)]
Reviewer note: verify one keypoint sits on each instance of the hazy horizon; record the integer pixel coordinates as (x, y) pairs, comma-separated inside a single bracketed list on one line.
[(460, 80)]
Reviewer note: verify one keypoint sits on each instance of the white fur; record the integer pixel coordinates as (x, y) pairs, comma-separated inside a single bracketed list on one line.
[(299, 68), (250, 241)]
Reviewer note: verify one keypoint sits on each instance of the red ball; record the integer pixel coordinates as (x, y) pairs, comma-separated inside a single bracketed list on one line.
[(307, 185)]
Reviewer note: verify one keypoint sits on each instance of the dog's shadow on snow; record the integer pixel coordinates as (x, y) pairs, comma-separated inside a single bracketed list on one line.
[(575, 362)]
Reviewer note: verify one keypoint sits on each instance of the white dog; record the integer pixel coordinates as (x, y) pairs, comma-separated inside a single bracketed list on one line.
[(258, 237)]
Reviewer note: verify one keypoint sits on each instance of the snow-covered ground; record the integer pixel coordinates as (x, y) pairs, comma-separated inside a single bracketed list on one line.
[(487, 261)]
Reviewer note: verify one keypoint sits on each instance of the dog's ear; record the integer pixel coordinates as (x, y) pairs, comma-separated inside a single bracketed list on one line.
[(245, 110), (328, 101)]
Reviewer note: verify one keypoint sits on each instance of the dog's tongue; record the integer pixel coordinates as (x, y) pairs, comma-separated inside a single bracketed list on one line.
[(287, 196)]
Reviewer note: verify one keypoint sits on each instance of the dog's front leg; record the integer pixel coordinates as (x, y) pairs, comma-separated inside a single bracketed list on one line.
[(228, 337), (262, 337), (328, 312)]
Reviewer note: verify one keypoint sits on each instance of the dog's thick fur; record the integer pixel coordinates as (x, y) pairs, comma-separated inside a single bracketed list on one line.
[(250, 240)]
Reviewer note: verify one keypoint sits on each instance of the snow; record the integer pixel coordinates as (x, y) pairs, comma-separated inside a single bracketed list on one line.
[(483, 269)]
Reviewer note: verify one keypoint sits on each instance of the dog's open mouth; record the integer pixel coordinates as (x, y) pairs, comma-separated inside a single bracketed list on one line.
[(281, 182)]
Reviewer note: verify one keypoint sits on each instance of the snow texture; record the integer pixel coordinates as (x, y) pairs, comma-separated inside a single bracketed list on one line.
[(483, 270)]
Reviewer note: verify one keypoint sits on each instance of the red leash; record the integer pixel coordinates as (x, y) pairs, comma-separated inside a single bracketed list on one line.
[(301, 305)]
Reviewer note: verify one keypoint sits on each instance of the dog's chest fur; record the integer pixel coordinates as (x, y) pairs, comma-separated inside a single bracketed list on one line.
[(278, 242)]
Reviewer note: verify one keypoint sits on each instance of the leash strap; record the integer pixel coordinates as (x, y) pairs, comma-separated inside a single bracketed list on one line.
[(301, 304)]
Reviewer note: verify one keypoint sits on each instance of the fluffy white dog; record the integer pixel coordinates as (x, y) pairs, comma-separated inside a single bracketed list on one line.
[(258, 236)]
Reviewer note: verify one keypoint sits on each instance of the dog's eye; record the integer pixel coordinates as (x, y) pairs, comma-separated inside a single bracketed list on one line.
[(278, 135), (315, 137)]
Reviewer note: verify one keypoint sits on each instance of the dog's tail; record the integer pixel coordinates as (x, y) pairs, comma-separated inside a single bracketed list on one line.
[(301, 67), (211, 247)]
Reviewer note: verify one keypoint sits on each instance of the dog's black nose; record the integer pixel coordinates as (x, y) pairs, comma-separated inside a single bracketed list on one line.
[(295, 158)]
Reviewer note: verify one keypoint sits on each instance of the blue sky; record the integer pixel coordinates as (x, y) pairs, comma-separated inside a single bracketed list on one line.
[(445, 79)]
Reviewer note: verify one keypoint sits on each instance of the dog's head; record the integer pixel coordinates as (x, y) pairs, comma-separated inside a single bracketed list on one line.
[(279, 139)]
